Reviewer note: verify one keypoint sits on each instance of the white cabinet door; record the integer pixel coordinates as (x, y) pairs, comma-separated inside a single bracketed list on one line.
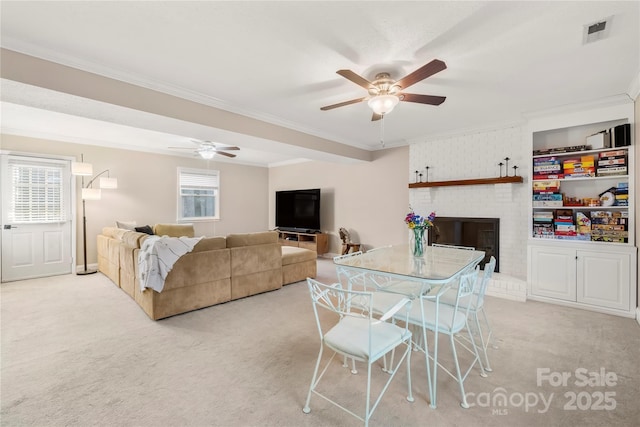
[(553, 272), (603, 279)]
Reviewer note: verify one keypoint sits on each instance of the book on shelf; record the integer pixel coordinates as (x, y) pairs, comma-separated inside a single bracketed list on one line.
[(542, 220), (547, 200), (547, 169), (585, 174), (579, 169), (547, 204), (612, 162), (582, 162), (546, 160), (621, 192), (609, 218), (612, 171), (601, 235), (546, 186), (613, 153), (548, 176), (609, 227), (583, 225), (547, 196)]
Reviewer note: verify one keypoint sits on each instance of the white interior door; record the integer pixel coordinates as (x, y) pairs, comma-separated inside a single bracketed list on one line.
[(36, 217)]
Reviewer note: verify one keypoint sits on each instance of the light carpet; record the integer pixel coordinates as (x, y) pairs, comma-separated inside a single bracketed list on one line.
[(77, 351)]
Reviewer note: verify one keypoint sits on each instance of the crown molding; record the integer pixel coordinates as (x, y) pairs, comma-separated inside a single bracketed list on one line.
[(572, 108)]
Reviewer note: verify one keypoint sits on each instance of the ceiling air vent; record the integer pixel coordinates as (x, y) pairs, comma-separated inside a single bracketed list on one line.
[(596, 30)]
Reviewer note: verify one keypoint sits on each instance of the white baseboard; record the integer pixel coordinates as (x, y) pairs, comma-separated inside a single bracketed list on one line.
[(638, 315)]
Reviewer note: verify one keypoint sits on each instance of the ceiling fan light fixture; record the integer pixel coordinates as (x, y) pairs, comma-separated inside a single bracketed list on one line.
[(207, 154), (383, 104)]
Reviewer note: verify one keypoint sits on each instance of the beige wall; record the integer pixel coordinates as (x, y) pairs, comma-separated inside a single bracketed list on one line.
[(147, 189), (370, 199)]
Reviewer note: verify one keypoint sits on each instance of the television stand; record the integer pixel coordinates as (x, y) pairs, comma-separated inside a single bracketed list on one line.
[(318, 242)]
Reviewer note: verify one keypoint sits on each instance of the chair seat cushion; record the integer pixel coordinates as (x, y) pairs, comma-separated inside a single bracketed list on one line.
[(351, 336), (449, 319)]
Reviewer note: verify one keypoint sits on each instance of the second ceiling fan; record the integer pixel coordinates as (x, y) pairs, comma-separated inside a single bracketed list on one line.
[(385, 93), (208, 149)]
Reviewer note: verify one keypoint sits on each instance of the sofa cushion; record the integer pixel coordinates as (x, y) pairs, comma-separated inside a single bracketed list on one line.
[(250, 239), (145, 229), (133, 239), (293, 255), (174, 230), (113, 232), (127, 225), (210, 243)]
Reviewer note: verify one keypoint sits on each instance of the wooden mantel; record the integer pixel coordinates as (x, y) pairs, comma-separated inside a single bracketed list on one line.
[(477, 181)]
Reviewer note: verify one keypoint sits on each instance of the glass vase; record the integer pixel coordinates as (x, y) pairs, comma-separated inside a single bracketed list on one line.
[(418, 241)]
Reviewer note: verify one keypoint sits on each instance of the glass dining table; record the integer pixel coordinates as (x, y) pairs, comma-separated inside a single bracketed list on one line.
[(438, 266), (394, 269)]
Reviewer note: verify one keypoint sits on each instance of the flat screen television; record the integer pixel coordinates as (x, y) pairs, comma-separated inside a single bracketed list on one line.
[(298, 210)]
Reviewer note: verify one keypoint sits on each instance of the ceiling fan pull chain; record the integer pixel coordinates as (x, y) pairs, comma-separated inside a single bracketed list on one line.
[(382, 131)]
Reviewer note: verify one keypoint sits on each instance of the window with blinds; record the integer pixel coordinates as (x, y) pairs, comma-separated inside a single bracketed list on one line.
[(37, 192), (198, 194)]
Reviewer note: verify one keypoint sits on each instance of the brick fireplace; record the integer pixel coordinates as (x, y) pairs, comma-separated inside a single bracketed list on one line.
[(476, 155)]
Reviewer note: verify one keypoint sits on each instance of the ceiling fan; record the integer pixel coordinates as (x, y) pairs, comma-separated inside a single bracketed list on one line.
[(385, 93), (208, 149)]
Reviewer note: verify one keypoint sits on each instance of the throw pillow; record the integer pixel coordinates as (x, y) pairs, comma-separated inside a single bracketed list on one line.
[(127, 225), (144, 229)]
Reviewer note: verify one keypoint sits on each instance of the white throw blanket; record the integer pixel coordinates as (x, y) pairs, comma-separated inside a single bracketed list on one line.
[(157, 256)]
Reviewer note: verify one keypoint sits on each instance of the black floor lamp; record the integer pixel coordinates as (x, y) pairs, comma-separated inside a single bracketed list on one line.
[(89, 193)]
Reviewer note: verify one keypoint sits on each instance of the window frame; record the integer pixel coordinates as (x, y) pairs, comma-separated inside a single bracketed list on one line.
[(215, 186)]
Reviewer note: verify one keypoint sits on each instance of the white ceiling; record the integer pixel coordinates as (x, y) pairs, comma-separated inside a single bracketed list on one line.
[(277, 62)]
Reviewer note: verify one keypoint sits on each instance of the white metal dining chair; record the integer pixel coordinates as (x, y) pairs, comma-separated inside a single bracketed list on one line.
[(349, 278), (358, 335), (476, 308), (352, 280), (381, 302), (367, 281), (430, 314)]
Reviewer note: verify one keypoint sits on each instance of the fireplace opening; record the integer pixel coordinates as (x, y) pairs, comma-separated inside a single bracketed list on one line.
[(480, 233)]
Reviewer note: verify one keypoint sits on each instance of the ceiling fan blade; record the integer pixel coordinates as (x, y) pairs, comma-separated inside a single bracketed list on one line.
[(342, 104), (360, 81), (376, 117), (180, 148), (422, 99), (226, 148), (421, 73), (222, 153)]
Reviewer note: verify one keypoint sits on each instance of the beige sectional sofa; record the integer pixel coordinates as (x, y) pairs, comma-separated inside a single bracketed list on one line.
[(219, 269)]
